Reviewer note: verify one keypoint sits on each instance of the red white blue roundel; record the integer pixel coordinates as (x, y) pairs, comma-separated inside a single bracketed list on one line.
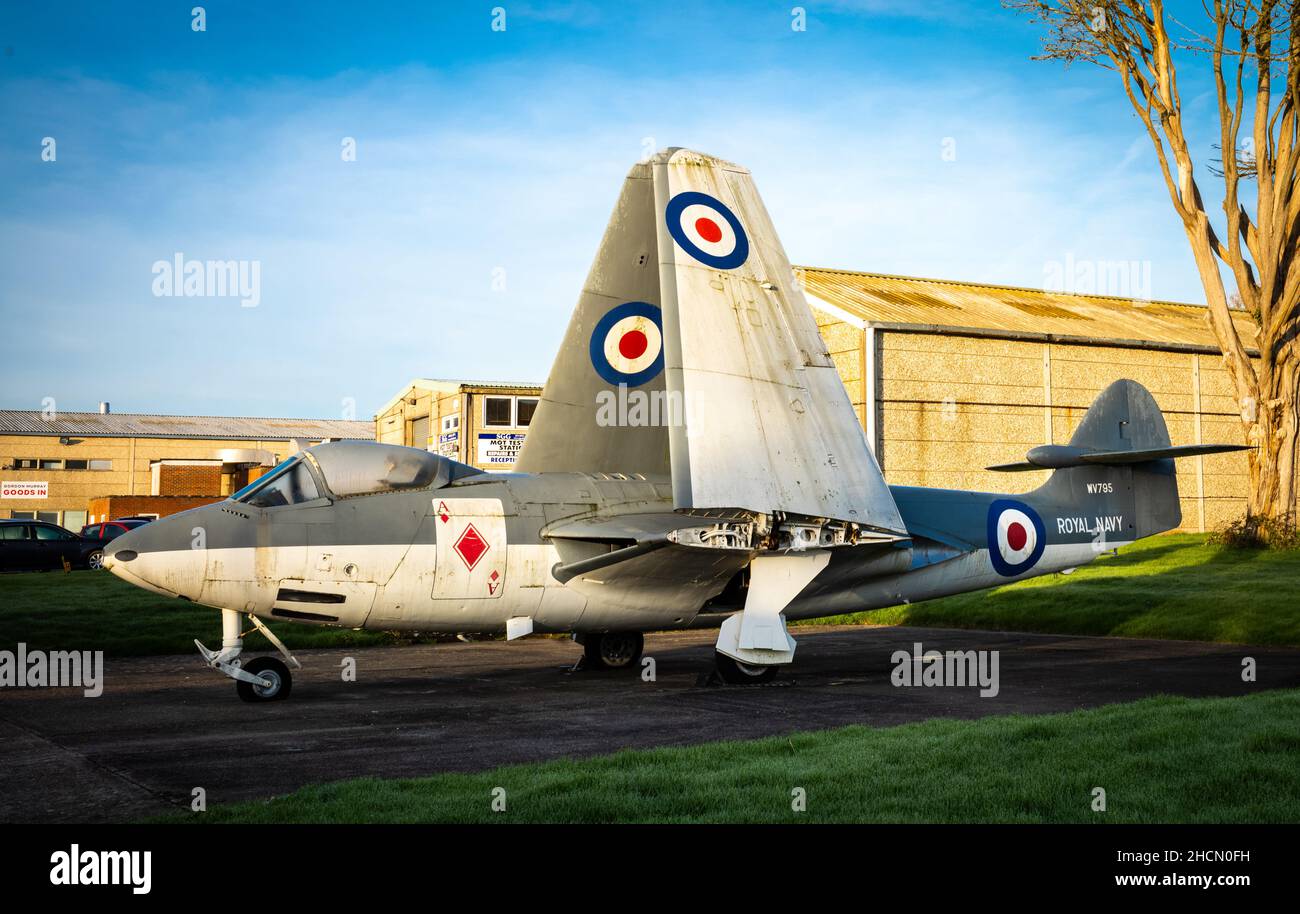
[(627, 345), (707, 230), (1016, 537)]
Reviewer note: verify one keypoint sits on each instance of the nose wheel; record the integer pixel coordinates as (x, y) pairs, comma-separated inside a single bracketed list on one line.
[(269, 670), (262, 678)]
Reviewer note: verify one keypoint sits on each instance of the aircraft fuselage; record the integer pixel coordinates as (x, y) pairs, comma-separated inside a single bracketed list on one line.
[(468, 556)]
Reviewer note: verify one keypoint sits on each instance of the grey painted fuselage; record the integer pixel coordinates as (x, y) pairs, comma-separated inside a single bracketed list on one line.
[(405, 560)]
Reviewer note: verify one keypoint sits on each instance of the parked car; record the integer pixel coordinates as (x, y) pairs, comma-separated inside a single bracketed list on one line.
[(33, 544), (110, 530), (105, 532)]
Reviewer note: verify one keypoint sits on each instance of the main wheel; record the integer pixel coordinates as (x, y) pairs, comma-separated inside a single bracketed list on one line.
[(613, 650), (736, 673), (267, 668)]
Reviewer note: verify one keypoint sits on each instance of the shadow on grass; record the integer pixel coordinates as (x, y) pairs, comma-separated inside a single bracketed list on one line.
[(1170, 587)]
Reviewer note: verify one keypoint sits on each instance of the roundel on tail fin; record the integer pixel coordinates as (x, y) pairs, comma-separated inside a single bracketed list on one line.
[(627, 344), (1016, 537), (707, 230)]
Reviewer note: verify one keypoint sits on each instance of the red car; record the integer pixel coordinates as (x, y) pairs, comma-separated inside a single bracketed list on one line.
[(106, 532)]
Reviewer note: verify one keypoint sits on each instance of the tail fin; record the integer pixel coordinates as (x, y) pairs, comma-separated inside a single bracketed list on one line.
[(1125, 417), (1120, 452)]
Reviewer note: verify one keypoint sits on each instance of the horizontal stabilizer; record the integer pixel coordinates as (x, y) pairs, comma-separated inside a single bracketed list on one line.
[(1056, 457)]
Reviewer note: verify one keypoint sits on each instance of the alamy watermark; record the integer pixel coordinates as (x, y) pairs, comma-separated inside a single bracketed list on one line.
[(947, 668), (180, 277), (77, 867), (1119, 278), (24, 669), (627, 408)]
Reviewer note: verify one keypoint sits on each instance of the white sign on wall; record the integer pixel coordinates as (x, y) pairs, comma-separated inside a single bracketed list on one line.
[(495, 448), (449, 444), (26, 489)]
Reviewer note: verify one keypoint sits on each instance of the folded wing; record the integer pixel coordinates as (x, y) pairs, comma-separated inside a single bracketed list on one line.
[(693, 352)]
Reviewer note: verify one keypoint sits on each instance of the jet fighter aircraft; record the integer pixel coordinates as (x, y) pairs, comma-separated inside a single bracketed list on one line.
[(694, 461)]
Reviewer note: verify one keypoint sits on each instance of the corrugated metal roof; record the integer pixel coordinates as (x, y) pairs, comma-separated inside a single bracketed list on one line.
[(135, 425), (902, 300)]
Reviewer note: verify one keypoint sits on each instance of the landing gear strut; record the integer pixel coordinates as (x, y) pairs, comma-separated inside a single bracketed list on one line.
[(265, 678), (754, 642), (612, 650)]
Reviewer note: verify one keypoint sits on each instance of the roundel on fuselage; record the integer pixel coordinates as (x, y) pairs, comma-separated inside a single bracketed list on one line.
[(1016, 537)]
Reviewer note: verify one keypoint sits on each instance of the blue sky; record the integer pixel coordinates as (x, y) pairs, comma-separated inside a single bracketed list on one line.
[(481, 151)]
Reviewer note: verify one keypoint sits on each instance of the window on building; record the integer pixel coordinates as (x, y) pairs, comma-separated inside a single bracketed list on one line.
[(23, 515), (524, 409), (101, 465), (51, 464), (450, 423), (49, 517), (497, 412), (74, 520), (26, 463), (75, 464)]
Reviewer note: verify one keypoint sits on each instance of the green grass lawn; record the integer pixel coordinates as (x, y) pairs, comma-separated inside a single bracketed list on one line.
[(1159, 760), (92, 610), (1171, 586)]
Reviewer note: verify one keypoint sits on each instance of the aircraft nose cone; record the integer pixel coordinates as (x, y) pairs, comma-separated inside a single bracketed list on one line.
[(158, 557), (119, 552)]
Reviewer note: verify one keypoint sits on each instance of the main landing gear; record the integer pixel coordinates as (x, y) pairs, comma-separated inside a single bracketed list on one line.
[(264, 678), (754, 642), (733, 672), (612, 650)]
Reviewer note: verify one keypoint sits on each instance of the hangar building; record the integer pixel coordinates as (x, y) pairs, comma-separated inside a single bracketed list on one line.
[(948, 378), (78, 468), (952, 377)]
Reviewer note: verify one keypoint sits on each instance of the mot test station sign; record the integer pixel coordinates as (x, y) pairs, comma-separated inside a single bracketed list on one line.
[(25, 489), (494, 448)]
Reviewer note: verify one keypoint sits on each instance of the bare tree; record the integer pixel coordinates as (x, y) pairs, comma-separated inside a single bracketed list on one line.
[(1251, 47)]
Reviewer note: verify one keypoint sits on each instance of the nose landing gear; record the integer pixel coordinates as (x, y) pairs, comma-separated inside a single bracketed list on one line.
[(264, 678)]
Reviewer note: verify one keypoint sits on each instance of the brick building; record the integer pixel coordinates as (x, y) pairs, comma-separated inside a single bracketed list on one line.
[(78, 468)]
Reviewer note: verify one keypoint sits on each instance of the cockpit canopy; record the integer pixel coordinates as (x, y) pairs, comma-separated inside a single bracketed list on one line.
[(349, 468)]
